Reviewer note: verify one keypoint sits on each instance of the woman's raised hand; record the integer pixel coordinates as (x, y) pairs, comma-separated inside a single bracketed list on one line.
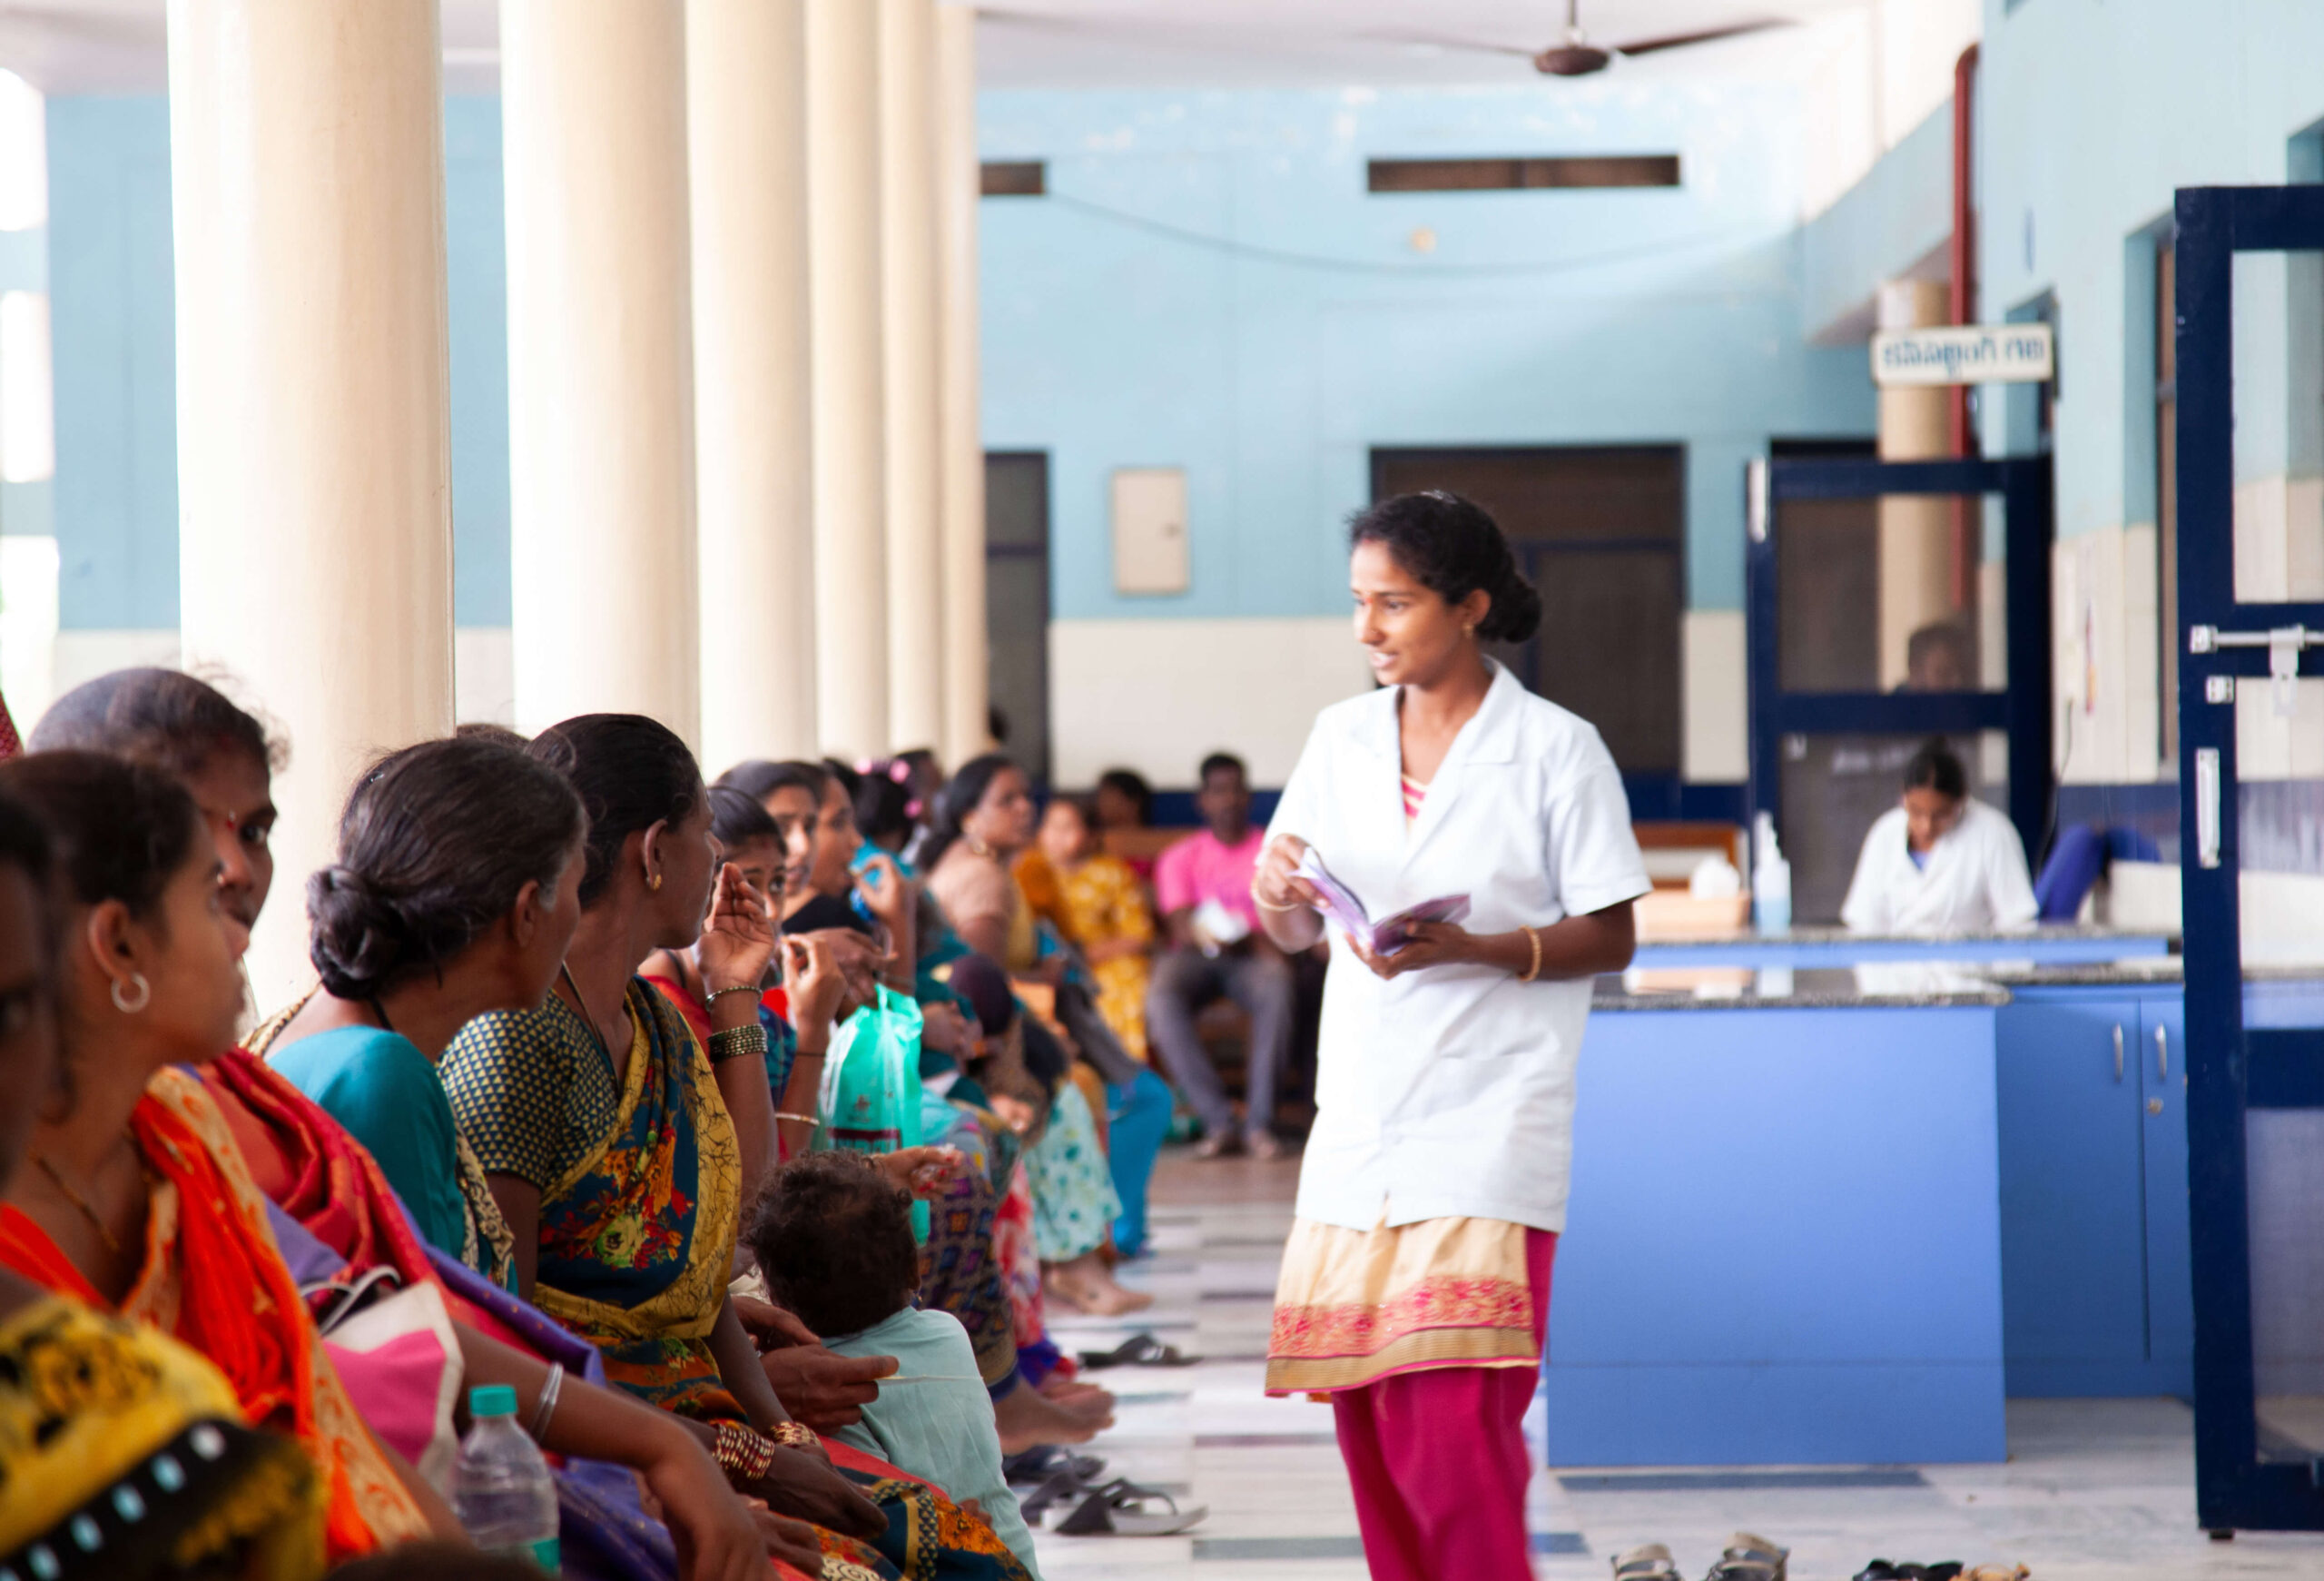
[(889, 895), (1276, 882), (738, 939), (813, 980)]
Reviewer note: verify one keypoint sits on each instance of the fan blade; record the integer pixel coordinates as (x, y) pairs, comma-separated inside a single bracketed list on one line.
[(1708, 35), (1440, 41)]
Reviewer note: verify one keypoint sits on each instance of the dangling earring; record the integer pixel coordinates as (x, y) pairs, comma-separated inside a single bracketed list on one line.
[(1469, 632), (144, 990)]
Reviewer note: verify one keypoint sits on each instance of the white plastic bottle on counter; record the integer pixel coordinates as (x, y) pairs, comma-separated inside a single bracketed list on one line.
[(1770, 879), (501, 1488)]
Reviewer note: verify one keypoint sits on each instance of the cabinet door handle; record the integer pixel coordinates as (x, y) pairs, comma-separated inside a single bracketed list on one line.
[(2118, 1051), (2162, 1053)]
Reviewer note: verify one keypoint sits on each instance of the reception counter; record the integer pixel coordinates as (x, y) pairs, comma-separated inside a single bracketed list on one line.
[(1837, 1215), (1837, 946), (1784, 1242)]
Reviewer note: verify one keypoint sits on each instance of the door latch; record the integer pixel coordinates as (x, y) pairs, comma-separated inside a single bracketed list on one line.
[(2284, 645)]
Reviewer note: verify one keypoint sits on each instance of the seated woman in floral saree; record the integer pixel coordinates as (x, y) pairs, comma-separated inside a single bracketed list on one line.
[(599, 1123)]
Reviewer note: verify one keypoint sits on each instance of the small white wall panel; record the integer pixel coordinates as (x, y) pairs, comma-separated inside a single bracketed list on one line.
[(1150, 530)]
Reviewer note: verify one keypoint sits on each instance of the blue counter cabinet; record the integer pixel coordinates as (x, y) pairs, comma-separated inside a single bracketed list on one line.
[(2091, 1094), (1784, 1240)]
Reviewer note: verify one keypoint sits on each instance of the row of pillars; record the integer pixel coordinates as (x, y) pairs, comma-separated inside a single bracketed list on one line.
[(746, 476)]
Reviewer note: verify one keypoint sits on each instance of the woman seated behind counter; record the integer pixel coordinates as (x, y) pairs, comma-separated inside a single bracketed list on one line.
[(1940, 861)]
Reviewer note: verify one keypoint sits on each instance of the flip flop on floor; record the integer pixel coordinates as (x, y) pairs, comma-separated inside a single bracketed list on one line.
[(1120, 1509), (1139, 1350), (1043, 1461), (1061, 1490)]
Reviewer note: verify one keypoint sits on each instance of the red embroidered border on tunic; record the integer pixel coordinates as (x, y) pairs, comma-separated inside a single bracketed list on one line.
[(1362, 1328)]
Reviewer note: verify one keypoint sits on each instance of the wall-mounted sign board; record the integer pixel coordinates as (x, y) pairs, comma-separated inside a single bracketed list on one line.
[(1963, 354), (1149, 530)]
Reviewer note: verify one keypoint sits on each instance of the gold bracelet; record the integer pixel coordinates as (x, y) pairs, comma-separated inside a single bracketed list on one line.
[(1269, 906), (1533, 939)]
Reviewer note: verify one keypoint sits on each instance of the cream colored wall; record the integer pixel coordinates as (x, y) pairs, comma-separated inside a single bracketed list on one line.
[(1715, 743), (1156, 696)]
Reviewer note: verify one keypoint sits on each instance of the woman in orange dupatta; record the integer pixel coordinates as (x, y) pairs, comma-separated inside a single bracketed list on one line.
[(138, 1203)]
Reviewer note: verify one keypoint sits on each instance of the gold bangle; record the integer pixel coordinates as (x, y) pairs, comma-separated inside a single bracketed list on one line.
[(1269, 906), (1534, 970)]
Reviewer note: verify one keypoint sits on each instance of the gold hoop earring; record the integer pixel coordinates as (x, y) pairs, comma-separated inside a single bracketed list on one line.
[(142, 989)]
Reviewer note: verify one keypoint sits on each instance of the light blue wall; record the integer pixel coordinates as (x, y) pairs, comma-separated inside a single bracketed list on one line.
[(113, 324), (1210, 286), (1882, 226), (2091, 114)]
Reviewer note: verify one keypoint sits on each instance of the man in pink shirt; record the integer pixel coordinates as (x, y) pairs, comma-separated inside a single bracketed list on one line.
[(1203, 886)]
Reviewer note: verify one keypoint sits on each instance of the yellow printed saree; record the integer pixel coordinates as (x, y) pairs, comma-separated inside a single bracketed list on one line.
[(639, 1181)]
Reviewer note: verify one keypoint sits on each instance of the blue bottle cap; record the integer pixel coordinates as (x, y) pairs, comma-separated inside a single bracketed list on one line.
[(492, 1400)]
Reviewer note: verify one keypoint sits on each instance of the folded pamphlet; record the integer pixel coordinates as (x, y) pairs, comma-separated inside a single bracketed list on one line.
[(1387, 935)]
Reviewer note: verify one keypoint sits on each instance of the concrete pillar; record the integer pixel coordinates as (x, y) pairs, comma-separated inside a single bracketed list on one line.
[(962, 443), (907, 230), (746, 115), (843, 263), (600, 369), (1915, 533), (314, 470)]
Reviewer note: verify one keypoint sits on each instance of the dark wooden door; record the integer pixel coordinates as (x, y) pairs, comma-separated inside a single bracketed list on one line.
[(1602, 531), (1017, 602)]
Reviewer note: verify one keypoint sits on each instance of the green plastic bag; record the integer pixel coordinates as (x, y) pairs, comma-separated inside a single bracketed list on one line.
[(870, 1100)]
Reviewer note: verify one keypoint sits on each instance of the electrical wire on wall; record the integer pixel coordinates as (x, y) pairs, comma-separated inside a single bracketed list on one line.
[(1230, 247)]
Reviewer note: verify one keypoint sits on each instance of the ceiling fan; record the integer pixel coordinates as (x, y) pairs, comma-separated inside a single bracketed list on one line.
[(1578, 56)]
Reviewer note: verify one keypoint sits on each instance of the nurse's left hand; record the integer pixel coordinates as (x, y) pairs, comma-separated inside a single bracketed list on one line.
[(1427, 944)]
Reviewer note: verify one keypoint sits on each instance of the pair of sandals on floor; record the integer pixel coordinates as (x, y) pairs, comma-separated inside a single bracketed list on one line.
[(1751, 1558), (1058, 1491)]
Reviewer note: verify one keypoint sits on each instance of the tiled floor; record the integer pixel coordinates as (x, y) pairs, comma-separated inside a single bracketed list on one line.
[(2096, 1490)]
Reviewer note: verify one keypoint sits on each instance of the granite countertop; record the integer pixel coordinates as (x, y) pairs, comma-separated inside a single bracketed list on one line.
[(2163, 970), (1833, 934), (1888, 985)]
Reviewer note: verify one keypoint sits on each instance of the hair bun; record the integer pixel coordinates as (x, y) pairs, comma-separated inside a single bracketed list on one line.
[(356, 936), (1516, 612)]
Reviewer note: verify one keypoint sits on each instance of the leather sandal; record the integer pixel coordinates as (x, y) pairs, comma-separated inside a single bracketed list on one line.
[(1138, 1351), (1647, 1562), (1750, 1557)]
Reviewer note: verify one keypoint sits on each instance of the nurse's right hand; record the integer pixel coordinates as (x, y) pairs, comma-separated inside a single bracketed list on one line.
[(1275, 881)]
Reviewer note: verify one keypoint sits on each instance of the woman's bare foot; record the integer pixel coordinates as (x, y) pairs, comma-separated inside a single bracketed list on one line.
[(1087, 1286), (1085, 1399), (1026, 1416)]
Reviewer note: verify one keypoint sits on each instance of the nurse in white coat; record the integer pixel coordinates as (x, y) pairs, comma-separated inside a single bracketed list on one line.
[(1939, 861), (1416, 1287)]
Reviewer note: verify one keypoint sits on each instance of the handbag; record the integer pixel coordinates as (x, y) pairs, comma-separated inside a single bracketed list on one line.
[(399, 1358)]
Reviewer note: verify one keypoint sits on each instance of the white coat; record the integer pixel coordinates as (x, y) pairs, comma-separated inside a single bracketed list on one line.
[(1975, 879), (1449, 1092)]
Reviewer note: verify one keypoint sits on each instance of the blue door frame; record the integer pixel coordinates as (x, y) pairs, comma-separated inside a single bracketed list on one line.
[(2230, 1069), (2023, 711)]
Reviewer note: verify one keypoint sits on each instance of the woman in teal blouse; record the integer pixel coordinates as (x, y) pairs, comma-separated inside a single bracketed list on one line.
[(456, 892)]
